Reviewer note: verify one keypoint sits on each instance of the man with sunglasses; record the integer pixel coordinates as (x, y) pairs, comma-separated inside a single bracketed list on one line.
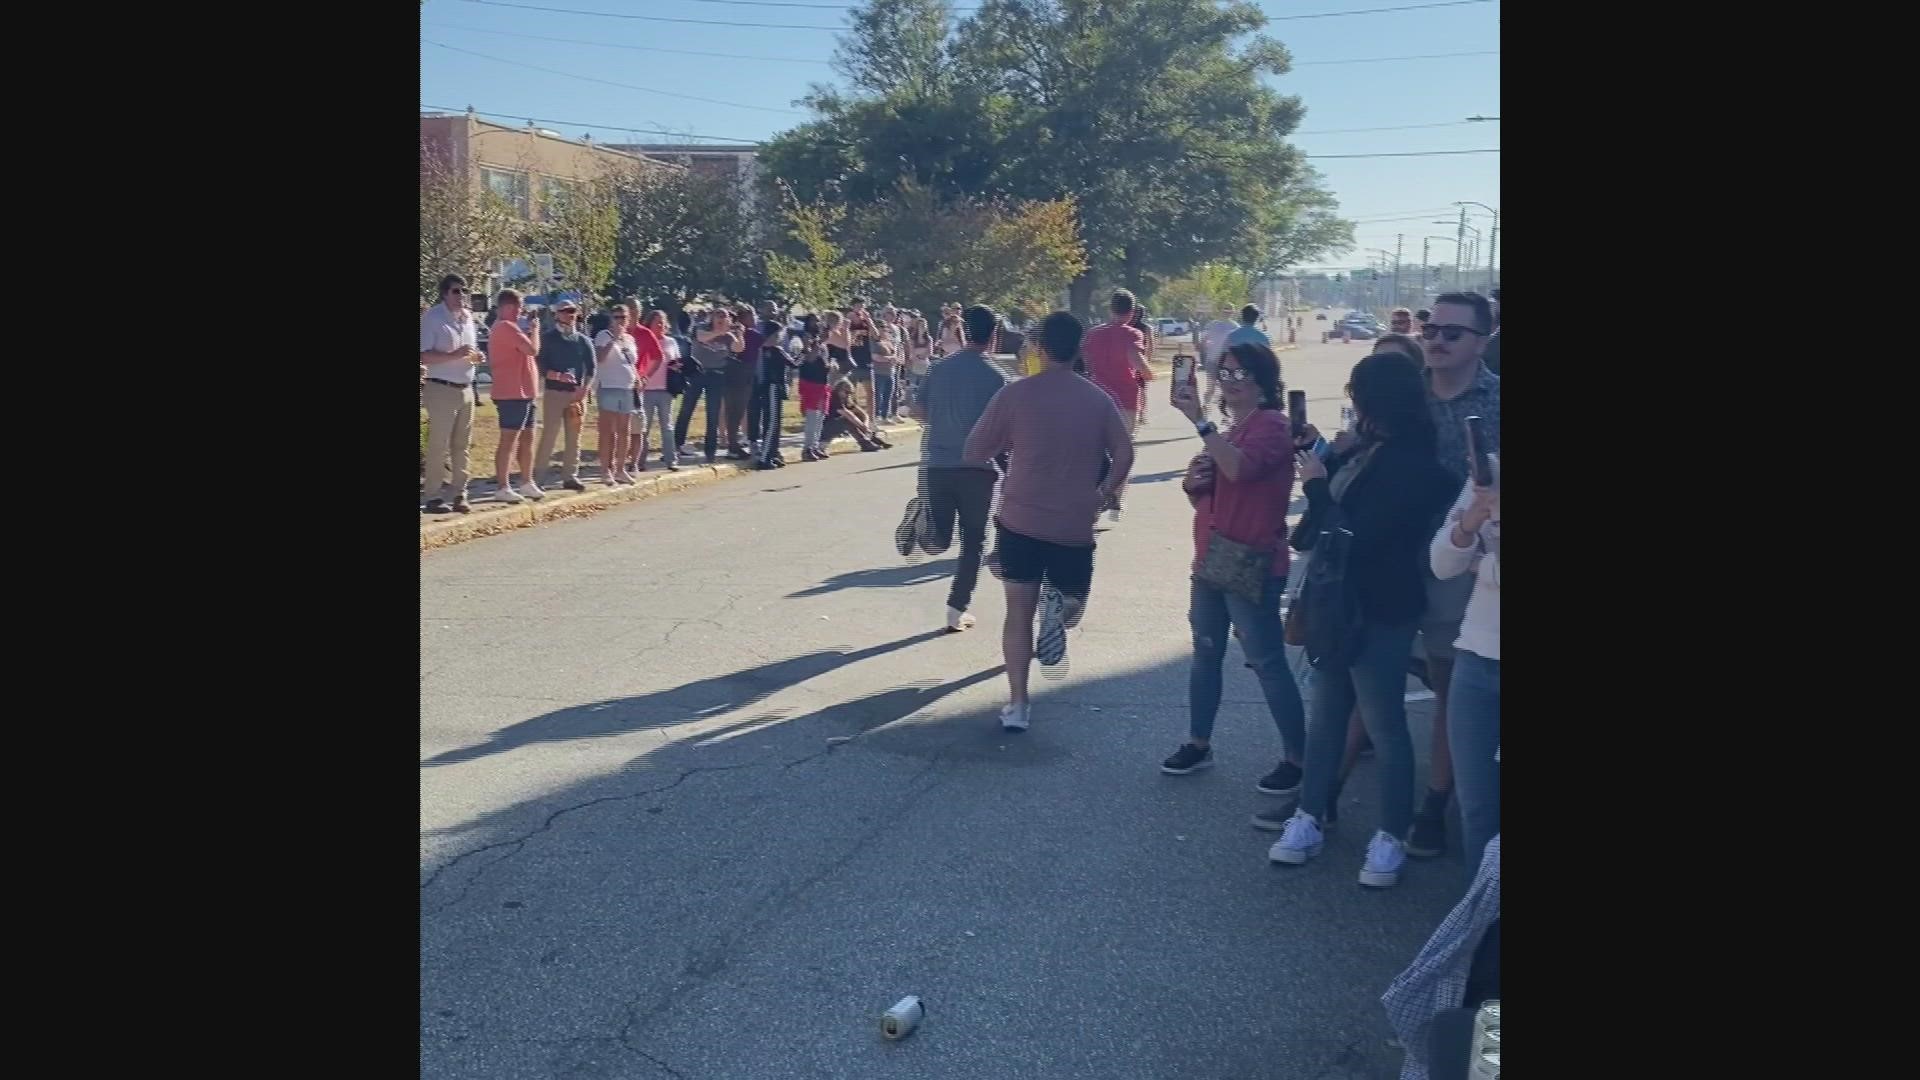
[(449, 350), (1458, 386)]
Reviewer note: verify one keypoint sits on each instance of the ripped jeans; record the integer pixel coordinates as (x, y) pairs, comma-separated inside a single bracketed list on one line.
[(1264, 642)]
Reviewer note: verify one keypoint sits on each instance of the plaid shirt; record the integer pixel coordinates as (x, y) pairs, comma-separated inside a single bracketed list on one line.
[(1437, 978), (1481, 398)]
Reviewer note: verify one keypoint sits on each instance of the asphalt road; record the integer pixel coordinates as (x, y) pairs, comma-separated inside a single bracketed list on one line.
[(642, 857)]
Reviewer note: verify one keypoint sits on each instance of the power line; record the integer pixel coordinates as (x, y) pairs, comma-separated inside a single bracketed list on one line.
[(609, 82), (1406, 153), (632, 48), (1375, 11), (849, 7), (629, 129), (1385, 59), (1394, 127), (654, 18)]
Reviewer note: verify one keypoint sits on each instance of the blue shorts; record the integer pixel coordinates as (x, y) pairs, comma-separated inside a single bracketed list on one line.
[(515, 415), (616, 401)]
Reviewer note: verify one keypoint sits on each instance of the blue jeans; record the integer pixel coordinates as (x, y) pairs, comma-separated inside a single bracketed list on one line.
[(1473, 734), (1262, 639), (1377, 680), (882, 396)]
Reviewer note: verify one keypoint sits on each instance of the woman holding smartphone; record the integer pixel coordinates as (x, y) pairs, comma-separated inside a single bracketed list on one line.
[(1240, 487), (1470, 542), (1384, 491)]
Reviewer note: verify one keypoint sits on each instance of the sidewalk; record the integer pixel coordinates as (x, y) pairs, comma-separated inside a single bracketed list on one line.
[(489, 517)]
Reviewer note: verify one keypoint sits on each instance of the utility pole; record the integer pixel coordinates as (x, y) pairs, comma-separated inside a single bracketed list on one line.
[(1459, 247), (1398, 240), (1493, 240)]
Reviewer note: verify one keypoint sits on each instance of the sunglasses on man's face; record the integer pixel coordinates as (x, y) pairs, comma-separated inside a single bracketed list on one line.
[(1450, 332)]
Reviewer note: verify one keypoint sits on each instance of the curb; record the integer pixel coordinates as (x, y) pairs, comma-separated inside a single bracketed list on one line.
[(439, 531)]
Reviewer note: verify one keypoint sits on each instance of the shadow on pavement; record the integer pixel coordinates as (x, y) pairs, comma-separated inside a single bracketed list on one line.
[(886, 577), (682, 703), (864, 714)]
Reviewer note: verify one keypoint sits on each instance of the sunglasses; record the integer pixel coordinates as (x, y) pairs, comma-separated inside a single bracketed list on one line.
[(1450, 332), (1234, 374)]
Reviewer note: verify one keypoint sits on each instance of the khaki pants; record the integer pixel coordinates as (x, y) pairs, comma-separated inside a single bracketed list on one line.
[(449, 434), (553, 421)]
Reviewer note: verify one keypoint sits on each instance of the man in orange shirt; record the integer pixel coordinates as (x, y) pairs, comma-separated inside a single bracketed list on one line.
[(1116, 354), (510, 353)]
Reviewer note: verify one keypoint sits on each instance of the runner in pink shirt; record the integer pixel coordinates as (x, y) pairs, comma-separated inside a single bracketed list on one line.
[(1058, 431)]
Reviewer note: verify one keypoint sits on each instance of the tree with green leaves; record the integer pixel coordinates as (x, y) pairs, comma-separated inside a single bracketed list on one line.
[(994, 252), (896, 47), (1151, 114), (580, 226), (464, 229), (824, 277), (681, 234)]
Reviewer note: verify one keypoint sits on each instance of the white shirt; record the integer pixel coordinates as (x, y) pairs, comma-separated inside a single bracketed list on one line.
[(1480, 630), (444, 331), (621, 367), (669, 351), (1213, 340)]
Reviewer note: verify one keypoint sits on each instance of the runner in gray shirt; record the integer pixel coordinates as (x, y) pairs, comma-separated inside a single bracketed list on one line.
[(957, 391)]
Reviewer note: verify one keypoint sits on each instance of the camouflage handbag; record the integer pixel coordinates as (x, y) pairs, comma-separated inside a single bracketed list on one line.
[(1237, 568)]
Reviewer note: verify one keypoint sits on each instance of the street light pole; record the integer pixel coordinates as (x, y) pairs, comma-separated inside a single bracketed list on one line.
[(1493, 235)]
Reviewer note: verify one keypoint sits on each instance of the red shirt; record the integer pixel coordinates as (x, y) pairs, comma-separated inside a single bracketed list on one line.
[(1252, 509), (1110, 349), (649, 354)]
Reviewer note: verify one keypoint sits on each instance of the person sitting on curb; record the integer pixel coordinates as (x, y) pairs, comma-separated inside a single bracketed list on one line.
[(846, 418)]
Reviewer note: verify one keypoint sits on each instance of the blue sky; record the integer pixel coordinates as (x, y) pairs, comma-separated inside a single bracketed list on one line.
[(1384, 196)]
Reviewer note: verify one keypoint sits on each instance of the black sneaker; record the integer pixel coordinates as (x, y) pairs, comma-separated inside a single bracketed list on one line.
[(1428, 837), (573, 485), (460, 506), (1283, 780), (1189, 758), (436, 506)]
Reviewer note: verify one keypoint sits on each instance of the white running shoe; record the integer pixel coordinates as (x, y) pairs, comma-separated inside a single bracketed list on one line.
[(1015, 716), (1385, 857), (531, 490), (507, 495), (958, 620), (1300, 841), (1051, 646)]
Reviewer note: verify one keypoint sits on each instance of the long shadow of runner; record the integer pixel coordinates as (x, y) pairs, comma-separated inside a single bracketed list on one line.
[(875, 710), (884, 577), (658, 709)]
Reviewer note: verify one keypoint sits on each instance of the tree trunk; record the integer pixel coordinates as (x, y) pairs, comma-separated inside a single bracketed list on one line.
[(1080, 296)]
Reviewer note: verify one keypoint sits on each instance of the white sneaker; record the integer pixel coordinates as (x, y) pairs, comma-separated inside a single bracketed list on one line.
[(1385, 857), (958, 620), (1015, 716), (1300, 841), (507, 495), (1113, 515), (531, 490)]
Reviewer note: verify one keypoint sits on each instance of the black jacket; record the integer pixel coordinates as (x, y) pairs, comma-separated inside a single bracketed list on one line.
[(1393, 508)]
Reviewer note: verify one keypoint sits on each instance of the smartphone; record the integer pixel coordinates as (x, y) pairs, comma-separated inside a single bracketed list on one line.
[(1185, 372), (1477, 451), (1297, 409)]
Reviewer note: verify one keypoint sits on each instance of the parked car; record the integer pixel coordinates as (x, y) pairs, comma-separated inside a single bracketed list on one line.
[(1171, 327), (1321, 316), (1360, 331)]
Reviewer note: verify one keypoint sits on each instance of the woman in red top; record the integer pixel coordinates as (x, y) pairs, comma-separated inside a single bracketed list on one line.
[(1240, 487)]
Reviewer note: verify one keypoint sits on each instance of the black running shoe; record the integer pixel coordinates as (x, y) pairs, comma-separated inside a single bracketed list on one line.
[(1428, 837), (1283, 780), (1189, 758)]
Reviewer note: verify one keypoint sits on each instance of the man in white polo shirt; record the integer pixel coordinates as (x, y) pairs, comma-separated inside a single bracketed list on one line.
[(449, 350)]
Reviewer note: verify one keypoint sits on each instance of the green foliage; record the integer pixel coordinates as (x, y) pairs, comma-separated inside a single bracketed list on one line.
[(682, 234), (980, 251), (896, 46), (580, 226), (1209, 289), (462, 230), (1150, 114), (824, 276)]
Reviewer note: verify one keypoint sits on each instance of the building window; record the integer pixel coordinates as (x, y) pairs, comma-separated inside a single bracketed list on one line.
[(511, 186), (551, 189)]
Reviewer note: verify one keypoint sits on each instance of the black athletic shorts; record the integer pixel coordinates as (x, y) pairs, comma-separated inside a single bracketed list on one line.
[(1067, 567)]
